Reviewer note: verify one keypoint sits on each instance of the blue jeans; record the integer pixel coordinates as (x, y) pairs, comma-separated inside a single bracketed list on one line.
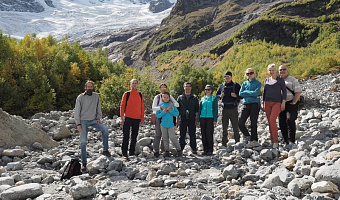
[(83, 136)]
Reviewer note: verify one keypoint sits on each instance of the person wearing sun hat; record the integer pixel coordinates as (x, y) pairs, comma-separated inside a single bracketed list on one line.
[(228, 92), (207, 119)]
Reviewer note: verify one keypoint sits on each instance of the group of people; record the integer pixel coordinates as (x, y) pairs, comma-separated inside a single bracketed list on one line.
[(279, 99)]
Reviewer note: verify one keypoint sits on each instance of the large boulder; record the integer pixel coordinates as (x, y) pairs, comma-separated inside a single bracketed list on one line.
[(31, 190), (329, 173), (15, 132)]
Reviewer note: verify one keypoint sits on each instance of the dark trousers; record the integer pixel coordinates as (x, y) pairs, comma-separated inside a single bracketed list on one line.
[(207, 131), (184, 125), (231, 114), (287, 122), (128, 124), (252, 110)]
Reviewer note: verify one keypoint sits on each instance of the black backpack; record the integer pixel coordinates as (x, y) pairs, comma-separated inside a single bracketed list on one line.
[(72, 169)]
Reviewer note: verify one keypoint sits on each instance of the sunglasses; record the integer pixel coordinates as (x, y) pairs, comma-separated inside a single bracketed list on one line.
[(283, 69), (207, 89), (250, 73), (227, 76)]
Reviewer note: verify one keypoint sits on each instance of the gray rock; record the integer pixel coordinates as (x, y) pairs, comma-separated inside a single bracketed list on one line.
[(31, 190), (13, 152), (303, 183), (335, 147), (2, 170), (272, 181), (48, 180), (266, 154), (156, 182), (116, 165), (285, 175), (6, 181), (82, 190), (329, 173), (4, 187), (146, 141), (37, 146), (100, 163), (165, 169), (294, 189), (16, 132), (17, 177), (14, 166), (232, 171), (61, 132), (36, 178), (324, 187)]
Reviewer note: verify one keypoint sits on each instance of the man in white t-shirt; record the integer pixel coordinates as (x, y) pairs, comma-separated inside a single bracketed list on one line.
[(288, 116)]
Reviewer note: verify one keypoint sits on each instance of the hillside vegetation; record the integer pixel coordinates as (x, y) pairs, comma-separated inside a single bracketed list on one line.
[(40, 75), (43, 74), (303, 35)]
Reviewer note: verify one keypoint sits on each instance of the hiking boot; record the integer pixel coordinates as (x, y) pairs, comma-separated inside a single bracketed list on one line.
[(156, 154), (275, 145), (252, 144), (167, 154), (83, 167), (106, 153)]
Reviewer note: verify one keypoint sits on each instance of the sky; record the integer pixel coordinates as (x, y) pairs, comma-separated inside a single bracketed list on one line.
[(77, 18)]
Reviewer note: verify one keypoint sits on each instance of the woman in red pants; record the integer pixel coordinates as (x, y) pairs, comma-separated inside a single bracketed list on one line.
[(274, 100)]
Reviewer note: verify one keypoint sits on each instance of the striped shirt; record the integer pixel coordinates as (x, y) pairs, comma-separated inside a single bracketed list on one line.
[(293, 84)]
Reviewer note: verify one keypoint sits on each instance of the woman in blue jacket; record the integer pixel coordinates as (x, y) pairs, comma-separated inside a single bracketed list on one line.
[(251, 106), (166, 114), (207, 118)]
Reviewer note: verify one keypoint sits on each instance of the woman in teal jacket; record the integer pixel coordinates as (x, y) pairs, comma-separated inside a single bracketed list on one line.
[(207, 118), (251, 106), (167, 114)]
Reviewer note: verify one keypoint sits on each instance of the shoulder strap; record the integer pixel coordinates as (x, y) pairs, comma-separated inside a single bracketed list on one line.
[(234, 87), (141, 97), (290, 91), (158, 99), (127, 98)]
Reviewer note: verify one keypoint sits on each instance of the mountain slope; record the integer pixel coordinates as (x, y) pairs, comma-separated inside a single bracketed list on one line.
[(77, 18)]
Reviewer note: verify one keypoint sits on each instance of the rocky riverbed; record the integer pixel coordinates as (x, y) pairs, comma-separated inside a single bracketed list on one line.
[(308, 170)]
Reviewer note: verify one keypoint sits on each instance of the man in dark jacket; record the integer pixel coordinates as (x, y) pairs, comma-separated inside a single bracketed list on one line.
[(228, 92), (188, 113)]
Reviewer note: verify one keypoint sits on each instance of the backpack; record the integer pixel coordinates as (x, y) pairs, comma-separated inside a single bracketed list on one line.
[(72, 169), (238, 100)]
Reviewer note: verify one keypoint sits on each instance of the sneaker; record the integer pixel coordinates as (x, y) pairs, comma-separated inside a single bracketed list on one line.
[(252, 144), (106, 153), (166, 154), (156, 154), (83, 167), (179, 153), (275, 145), (125, 155)]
